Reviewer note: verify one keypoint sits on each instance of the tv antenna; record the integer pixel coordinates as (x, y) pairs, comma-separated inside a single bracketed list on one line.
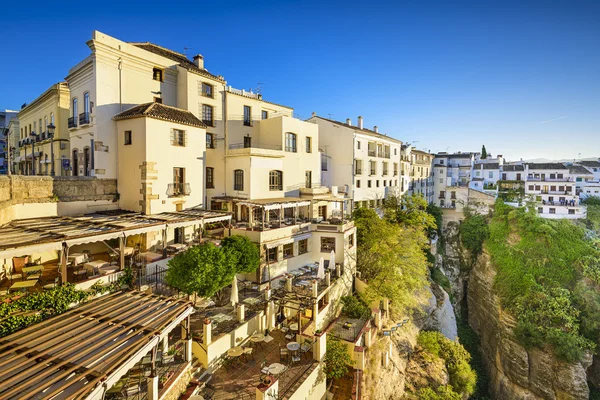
[(330, 115), (185, 49), (259, 87)]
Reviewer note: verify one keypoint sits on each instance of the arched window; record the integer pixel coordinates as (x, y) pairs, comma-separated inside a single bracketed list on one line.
[(275, 180), (75, 166), (74, 107), (86, 102), (238, 179), (52, 118), (87, 161), (290, 142), (45, 122)]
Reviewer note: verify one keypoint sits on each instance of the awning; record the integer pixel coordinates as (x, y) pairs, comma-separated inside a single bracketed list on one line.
[(28, 250), (18, 159), (279, 243), (92, 239), (302, 237)]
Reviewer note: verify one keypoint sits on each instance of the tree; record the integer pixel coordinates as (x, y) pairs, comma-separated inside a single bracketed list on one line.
[(242, 252), (201, 270), (483, 153), (337, 360), (409, 211), (437, 213)]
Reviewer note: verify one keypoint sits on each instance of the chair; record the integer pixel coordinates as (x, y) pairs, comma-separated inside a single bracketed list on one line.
[(284, 353), (79, 273), (52, 285), (305, 348), (34, 276), (248, 351)]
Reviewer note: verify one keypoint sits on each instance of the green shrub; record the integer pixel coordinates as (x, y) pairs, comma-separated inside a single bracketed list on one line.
[(444, 392), (438, 277), (473, 232), (354, 307)]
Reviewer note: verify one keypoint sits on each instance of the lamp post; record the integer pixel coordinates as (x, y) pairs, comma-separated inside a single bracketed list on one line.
[(32, 136), (51, 129)]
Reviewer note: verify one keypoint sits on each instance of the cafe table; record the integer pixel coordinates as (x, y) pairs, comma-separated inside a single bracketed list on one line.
[(24, 284)]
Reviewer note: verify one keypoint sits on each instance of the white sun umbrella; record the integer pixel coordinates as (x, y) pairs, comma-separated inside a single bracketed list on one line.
[(271, 321), (332, 260), (235, 298), (321, 270)]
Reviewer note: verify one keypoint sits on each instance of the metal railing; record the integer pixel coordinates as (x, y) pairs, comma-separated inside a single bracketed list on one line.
[(254, 146), (72, 122), (178, 189), (84, 118), (371, 153)]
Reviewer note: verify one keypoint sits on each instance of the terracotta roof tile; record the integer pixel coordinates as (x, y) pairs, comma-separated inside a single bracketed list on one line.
[(162, 112)]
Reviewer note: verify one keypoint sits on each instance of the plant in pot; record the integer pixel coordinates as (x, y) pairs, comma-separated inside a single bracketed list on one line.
[(170, 356)]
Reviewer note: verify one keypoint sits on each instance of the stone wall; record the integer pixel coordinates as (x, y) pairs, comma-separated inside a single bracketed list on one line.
[(85, 189)]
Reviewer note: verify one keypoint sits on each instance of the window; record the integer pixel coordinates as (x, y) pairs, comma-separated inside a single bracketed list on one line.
[(303, 246), (158, 100), (86, 102), (308, 179), (327, 244), (358, 167), (395, 152), (275, 180), (34, 127), (491, 174), (377, 183), (385, 168), (395, 169), (358, 145), (384, 183), (552, 176), (519, 177), (247, 115), (87, 161), (351, 241), (177, 137), (369, 183), (210, 141), (207, 90), (272, 254), (264, 114), (552, 210), (52, 118), (560, 176), (477, 173), (127, 138), (210, 178), (372, 168), (74, 107), (178, 180), (238, 179), (207, 115), (571, 211), (45, 122), (540, 210), (42, 128), (358, 183), (308, 144), (288, 250), (157, 74), (290, 142), (75, 163)]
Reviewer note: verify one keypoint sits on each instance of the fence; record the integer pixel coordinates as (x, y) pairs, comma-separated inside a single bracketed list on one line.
[(153, 277)]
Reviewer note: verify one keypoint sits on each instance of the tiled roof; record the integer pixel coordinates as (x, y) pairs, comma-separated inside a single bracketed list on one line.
[(363, 130), (487, 166), (546, 166), (510, 168), (578, 169), (162, 112), (175, 56), (594, 164)]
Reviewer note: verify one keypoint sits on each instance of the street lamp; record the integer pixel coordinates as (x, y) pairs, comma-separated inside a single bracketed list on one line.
[(32, 136), (51, 129)]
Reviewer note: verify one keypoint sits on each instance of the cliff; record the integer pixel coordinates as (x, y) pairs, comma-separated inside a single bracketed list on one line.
[(516, 372)]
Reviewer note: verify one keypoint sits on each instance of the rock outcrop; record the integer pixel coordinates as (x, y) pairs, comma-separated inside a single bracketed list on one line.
[(453, 261), (516, 372), (441, 313)]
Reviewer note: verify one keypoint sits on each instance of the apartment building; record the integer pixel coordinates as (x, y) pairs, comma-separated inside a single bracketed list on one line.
[(364, 163), (593, 166), (553, 189), (43, 139), (5, 142), (421, 179), (405, 168), (449, 172), (486, 173)]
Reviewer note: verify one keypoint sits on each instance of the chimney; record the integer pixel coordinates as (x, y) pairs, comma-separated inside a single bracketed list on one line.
[(360, 122), (375, 129), (348, 122), (314, 114), (199, 61)]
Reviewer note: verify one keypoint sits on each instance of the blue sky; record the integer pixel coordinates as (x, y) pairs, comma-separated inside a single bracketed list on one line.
[(521, 77)]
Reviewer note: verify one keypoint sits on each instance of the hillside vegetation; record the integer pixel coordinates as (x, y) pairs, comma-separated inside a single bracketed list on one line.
[(548, 276)]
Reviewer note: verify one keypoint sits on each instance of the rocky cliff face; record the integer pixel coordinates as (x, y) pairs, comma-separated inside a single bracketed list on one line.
[(453, 261), (515, 372)]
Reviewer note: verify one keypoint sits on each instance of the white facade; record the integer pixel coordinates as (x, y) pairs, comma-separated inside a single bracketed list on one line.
[(362, 160)]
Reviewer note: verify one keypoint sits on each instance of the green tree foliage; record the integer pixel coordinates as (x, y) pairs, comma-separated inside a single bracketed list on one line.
[(391, 258), (242, 252), (206, 269), (354, 307), (444, 392), (337, 360), (540, 264), (409, 211), (437, 213), (473, 232), (462, 378), (484, 153)]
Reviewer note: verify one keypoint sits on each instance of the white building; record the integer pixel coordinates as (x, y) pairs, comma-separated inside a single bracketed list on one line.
[(5, 118), (593, 166), (362, 160), (449, 172), (421, 173)]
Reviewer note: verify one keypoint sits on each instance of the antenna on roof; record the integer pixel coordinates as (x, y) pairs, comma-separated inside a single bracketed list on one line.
[(330, 115), (185, 49), (259, 86)]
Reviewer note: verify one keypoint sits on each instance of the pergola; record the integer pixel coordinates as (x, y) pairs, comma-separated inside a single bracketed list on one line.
[(36, 235), (82, 353)]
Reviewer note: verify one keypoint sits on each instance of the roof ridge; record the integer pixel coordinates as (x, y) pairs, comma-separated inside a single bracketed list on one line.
[(159, 46)]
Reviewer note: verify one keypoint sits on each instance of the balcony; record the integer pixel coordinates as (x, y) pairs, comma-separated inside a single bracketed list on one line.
[(358, 171), (178, 189), (248, 122), (547, 179), (72, 123), (84, 118), (371, 153), (372, 172)]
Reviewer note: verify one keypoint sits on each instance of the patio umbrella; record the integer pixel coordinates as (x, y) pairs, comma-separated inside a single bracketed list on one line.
[(321, 270), (271, 315), (235, 298), (332, 260)]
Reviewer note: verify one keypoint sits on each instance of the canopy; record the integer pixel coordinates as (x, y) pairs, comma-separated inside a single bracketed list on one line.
[(235, 298), (321, 270)]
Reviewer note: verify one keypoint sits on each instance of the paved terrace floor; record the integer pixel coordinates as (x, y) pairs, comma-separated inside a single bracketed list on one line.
[(239, 381)]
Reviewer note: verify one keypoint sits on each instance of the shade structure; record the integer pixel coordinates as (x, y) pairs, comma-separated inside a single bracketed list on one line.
[(271, 316), (321, 270), (235, 298), (332, 260)]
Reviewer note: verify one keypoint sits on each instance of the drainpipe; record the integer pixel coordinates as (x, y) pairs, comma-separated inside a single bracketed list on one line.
[(226, 139), (120, 91)]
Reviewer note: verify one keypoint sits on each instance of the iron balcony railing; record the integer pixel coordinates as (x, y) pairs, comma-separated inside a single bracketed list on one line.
[(371, 153), (178, 189), (72, 122), (254, 146), (84, 118)]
